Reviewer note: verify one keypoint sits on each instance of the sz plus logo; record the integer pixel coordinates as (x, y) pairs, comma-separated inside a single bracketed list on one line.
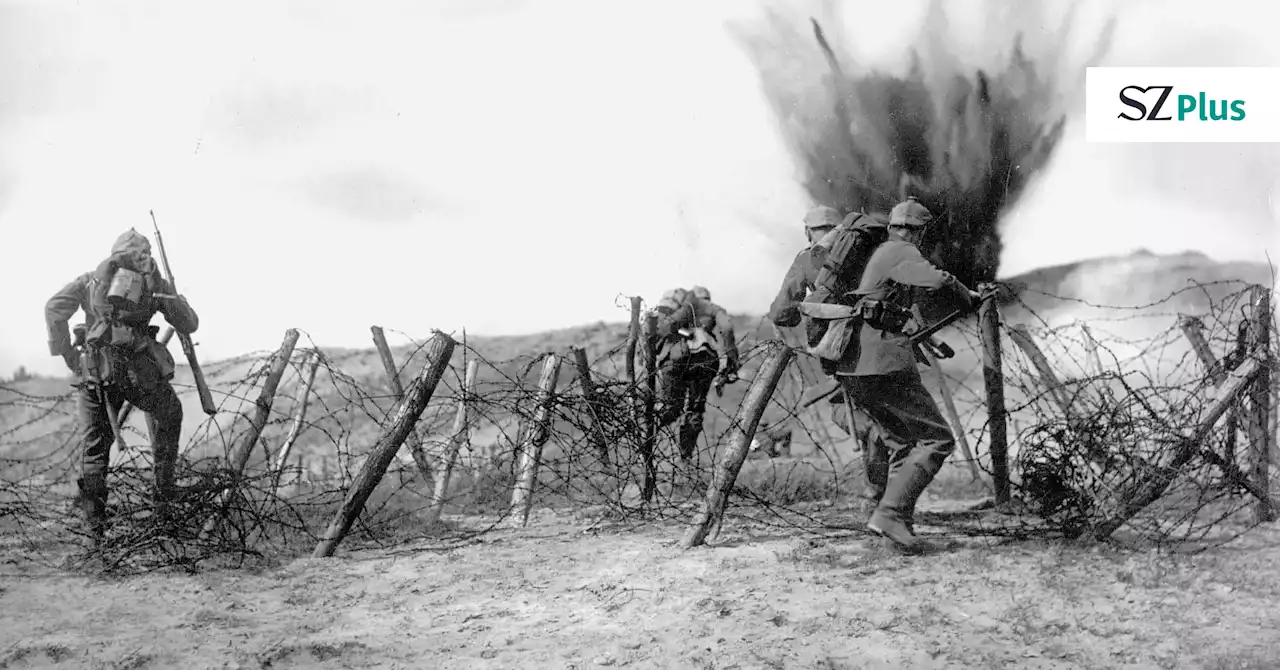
[(1161, 103), (1182, 104)]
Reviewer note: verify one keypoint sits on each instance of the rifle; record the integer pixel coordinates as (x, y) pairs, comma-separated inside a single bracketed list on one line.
[(917, 339), (206, 399)]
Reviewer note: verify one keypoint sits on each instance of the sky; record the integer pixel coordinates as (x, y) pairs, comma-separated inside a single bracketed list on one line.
[(503, 166)]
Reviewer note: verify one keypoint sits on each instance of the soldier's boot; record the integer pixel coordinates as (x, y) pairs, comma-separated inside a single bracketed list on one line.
[(164, 492), (876, 472), (870, 500), (93, 502), (164, 425), (688, 441), (893, 518), (867, 504)]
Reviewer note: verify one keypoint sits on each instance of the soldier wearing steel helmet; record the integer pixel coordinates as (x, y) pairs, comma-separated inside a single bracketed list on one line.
[(884, 380), (785, 313), (119, 360), (695, 347)]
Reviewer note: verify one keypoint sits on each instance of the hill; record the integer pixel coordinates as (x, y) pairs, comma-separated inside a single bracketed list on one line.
[(350, 397), (787, 584)]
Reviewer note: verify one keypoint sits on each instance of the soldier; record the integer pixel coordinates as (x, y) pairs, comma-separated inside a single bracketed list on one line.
[(884, 381), (804, 269), (695, 345), (784, 313), (122, 361)]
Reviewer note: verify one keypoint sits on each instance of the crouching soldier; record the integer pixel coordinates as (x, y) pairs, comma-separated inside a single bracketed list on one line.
[(121, 361), (885, 382), (696, 349)]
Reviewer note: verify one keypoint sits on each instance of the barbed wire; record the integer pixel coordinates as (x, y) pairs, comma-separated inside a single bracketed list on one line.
[(1127, 390)]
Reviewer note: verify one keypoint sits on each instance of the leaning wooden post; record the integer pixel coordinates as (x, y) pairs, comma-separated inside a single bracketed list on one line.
[(1137, 496), (240, 452), (949, 403), (587, 389), (741, 432), (1260, 435), (1095, 360), (393, 381), (650, 400), (408, 411), (1022, 338), (1193, 329), (535, 435), (457, 438), (993, 376), (299, 418)]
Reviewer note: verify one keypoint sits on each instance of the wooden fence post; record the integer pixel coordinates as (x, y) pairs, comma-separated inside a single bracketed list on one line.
[(587, 389), (650, 399), (1022, 338), (1091, 349), (302, 398), (1233, 419), (1138, 495), (993, 377), (633, 338), (535, 435), (949, 404), (741, 433), (1193, 329), (408, 411), (393, 382), (240, 453), (1260, 435), (457, 438)]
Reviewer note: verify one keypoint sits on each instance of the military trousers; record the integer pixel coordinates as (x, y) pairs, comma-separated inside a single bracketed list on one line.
[(164, 418), (684, 384), (875, 451), (916, 437)]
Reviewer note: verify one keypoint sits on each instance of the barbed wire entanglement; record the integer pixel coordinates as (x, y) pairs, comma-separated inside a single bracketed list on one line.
[(1145, 420)]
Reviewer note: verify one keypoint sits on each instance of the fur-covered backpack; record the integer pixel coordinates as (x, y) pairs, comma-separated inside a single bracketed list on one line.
[(843, 254)]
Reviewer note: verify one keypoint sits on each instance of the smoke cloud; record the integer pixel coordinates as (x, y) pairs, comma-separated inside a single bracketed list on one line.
[(964, 133)]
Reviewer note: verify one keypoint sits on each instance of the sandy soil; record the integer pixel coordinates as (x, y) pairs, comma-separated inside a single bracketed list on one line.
[(564, 594)]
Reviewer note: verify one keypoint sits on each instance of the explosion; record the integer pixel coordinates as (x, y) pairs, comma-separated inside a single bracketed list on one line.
[(966, 144)]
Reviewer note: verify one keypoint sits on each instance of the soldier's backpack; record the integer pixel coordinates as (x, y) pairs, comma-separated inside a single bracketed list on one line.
[(843, 254)]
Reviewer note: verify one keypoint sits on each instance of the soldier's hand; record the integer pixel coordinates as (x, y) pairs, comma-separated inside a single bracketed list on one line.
[(992, 290)]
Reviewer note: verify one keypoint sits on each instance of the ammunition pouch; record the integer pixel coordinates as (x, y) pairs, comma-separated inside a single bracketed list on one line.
[(883, 316), (104, 365), (130, 355)]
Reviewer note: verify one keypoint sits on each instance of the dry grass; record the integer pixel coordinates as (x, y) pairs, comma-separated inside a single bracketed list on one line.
[(791, 581)]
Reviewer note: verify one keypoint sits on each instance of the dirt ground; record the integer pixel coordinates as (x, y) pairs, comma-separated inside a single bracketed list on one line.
[(564, 593)]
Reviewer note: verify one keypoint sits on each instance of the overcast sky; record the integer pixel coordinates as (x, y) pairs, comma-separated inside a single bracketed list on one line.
[(501, 165)]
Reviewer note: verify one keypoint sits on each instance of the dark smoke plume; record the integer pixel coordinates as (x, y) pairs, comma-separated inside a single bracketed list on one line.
[(965, 143)]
